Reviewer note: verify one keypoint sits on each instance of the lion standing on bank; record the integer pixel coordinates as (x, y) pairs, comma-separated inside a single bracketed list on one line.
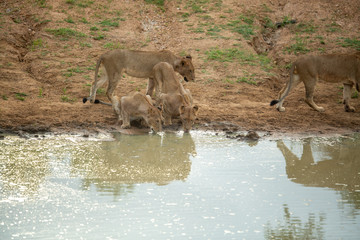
[(137, 64), (331, 68)]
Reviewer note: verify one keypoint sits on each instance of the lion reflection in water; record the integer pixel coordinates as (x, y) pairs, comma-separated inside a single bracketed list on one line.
[(139, 159), (338, 167)]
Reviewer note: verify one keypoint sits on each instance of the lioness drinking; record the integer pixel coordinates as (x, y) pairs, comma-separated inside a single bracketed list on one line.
[(137, 64), (176, 100), (331, 68)]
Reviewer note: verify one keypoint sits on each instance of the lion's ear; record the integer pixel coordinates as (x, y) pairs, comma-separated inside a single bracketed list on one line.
[(189, 57), (160, 107)]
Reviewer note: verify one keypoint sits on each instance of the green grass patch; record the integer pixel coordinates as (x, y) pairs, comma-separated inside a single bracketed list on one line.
[(100, 36), (85, 44), (83, 20), (333, 27), (243, 26), (65, 33), (75, 70), (247, 79), (203, 6), (20, 96), (109, 23), (306, 28), (111, 45), (298, 47), (36, 44), (355, 94), (240, 56), (352, 43), (69, 20), (80, 3), (41, 3), (159, 3), (41, 93)]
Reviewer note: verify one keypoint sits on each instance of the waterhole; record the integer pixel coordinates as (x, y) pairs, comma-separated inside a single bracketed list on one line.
[(179, 186)]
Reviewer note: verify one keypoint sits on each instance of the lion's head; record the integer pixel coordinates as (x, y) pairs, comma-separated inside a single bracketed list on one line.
[(154, 119), (186, 68), (188, 116)]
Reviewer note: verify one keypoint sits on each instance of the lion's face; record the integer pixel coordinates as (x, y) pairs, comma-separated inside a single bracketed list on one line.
[(188, 116), (186, 68), (154, 119)]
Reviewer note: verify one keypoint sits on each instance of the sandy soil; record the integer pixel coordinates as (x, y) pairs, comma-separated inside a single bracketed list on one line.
[(45, 73)]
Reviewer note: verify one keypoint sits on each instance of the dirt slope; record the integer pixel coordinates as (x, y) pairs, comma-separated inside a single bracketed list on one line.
[(241, 51)]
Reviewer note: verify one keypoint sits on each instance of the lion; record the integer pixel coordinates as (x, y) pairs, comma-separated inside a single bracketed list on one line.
[(137, 64), (177, 105), (134, 106), (176, 100), (331, 68)]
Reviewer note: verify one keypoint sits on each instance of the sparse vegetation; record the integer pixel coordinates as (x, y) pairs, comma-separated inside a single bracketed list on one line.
[(40, 93), (65, 97), (298, 47), (243, 25), (238, 55), (352, 43), (37, 43), (69, 20), (65, 33), (99, 36), (159, 3), (109, 23), (20, 96)]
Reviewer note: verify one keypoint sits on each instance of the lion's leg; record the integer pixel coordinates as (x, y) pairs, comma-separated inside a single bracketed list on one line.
[(125, 119), (347, 97), (96, 85), (113, 82), (150, 86), (310, 88), (295, 81), (117, 107)]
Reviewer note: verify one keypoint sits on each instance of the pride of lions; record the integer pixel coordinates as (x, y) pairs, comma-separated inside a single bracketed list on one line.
[(172, 100)]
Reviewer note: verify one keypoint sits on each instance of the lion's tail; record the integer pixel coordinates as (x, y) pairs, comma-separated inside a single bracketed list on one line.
[(292, 73), (92, 91), (101, 102)]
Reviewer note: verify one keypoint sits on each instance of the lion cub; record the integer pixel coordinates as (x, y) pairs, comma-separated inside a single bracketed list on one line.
[(176, 101), (138, 105)]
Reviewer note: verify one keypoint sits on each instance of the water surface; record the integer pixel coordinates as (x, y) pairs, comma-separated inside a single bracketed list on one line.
[(179, 186)]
